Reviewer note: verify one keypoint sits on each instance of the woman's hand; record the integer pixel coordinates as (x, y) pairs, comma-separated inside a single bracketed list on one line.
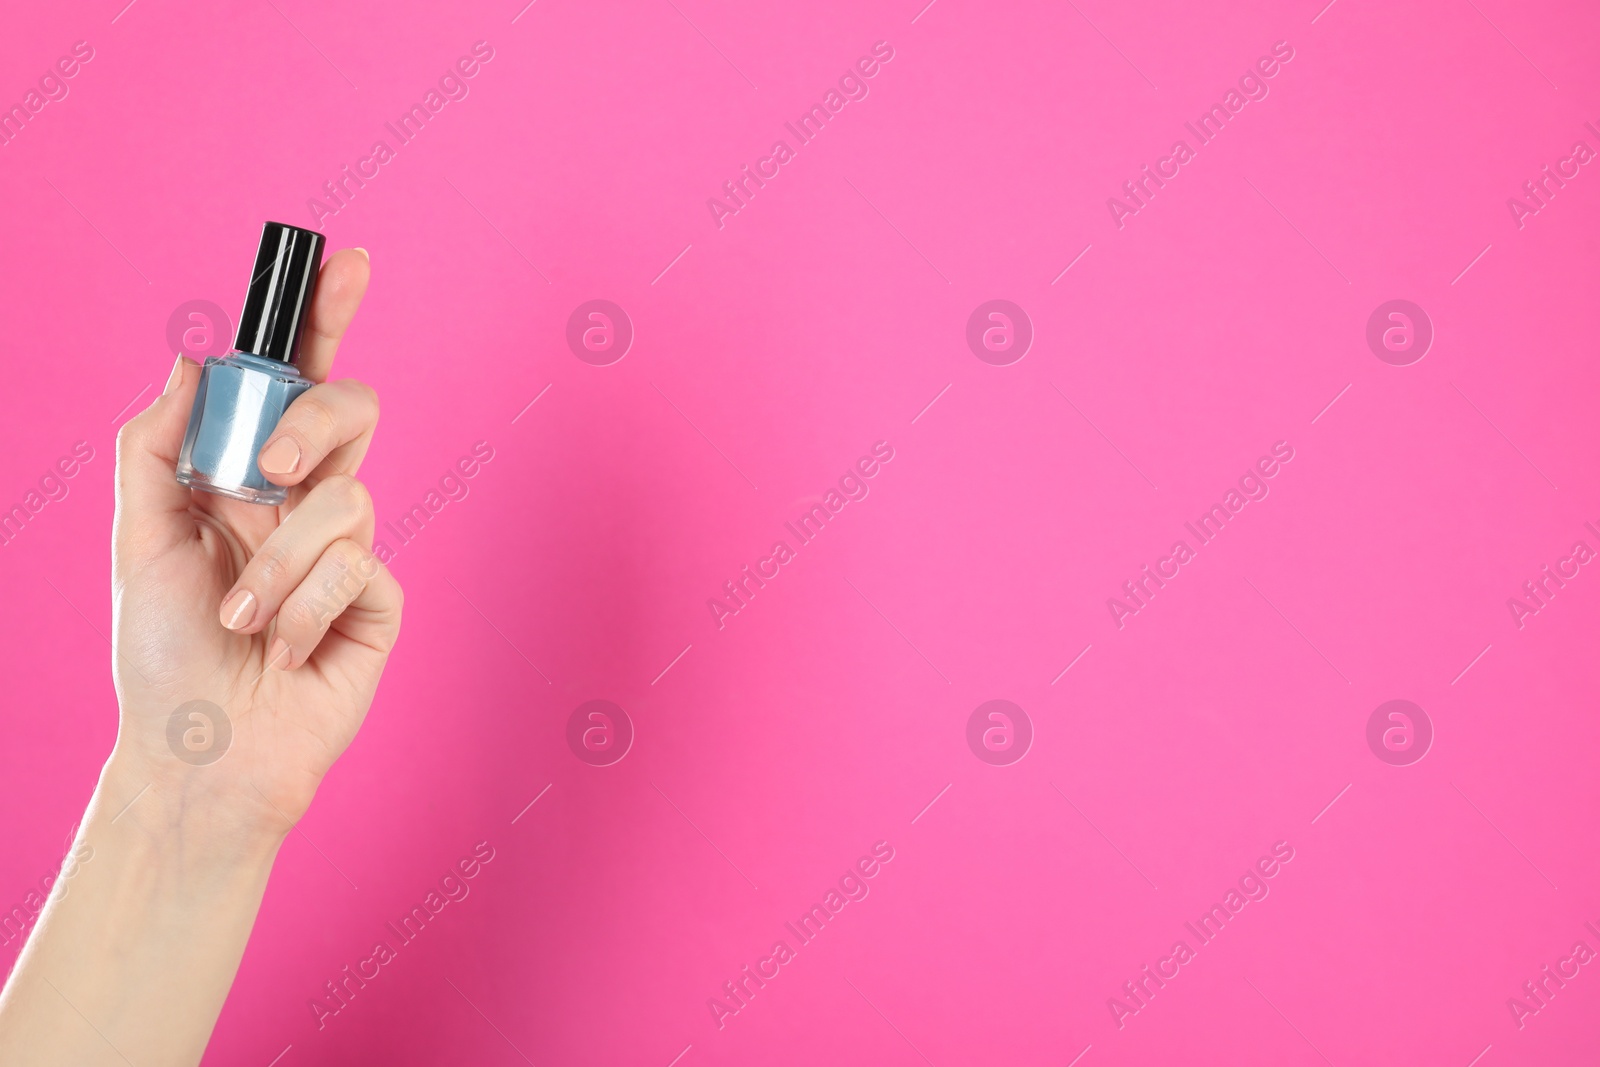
[(272, 626), (278, 619)]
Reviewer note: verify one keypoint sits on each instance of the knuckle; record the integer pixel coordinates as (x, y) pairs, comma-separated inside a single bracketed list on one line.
[(367, 563), (351, 559), (314, 418), (274, 565), (303, 616), (349, 495), (364, 392), (336, 572)]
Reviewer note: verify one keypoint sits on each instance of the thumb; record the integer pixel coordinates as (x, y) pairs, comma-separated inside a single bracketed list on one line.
[(152, 507)]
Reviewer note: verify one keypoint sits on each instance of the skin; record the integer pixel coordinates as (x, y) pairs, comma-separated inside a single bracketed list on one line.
[(279, 616)]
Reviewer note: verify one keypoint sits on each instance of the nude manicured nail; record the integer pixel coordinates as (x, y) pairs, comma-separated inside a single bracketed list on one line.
[(177, 375), (281, 456), (363, 251), (239, 609), (280, 656)]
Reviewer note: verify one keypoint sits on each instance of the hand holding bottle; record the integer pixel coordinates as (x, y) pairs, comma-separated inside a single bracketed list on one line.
[(279, 616), (275, 619)]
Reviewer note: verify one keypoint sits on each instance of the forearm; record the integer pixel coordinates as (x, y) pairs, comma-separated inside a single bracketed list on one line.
[(133, 955)]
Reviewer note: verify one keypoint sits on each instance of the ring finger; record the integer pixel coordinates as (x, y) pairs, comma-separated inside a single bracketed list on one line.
[(336, 507)]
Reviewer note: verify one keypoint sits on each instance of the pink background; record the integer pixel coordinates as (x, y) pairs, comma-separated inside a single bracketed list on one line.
[(823, 317)]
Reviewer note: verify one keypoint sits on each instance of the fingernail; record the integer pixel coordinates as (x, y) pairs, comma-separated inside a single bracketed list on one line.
[(280, 656), (239, 609), (176, 376), (364, 252), (281, 456)]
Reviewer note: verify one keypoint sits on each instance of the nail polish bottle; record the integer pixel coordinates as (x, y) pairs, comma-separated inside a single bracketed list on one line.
[(243, 394)]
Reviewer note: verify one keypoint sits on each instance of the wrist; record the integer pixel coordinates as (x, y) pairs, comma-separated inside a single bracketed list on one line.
[(181, 806), (144, 927)]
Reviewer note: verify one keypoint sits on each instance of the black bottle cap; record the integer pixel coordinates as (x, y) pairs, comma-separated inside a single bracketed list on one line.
[(278, 302)]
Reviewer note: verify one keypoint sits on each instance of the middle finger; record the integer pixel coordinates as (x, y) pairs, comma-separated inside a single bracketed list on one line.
[(329, 424)]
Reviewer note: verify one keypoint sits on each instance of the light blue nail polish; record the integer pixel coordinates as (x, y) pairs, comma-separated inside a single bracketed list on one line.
[(243, 395)]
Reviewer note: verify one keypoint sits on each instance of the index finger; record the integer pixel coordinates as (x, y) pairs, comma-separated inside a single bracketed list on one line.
[(340, 286)]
